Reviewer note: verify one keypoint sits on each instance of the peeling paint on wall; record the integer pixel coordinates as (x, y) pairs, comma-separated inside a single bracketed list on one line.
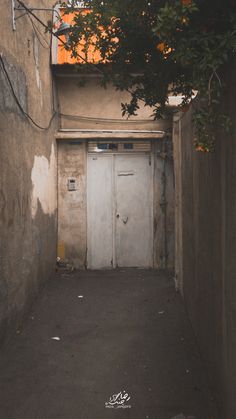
[(43, 178)]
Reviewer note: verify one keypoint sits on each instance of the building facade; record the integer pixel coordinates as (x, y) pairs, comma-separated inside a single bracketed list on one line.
[(115, 179)]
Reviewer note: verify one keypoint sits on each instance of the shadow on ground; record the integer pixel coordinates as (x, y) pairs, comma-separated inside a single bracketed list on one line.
[(129, 332)]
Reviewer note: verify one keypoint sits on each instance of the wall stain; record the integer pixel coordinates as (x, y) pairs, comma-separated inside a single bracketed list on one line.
[(3, 204)]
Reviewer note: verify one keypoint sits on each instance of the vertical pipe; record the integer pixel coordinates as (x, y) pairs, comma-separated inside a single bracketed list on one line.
[(13, 15), (163, 204)]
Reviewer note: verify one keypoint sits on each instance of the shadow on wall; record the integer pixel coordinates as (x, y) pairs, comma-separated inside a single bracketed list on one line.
[(206, 243)]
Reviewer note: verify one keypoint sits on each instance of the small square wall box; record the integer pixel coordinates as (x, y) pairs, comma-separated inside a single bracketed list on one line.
[(72, 184)]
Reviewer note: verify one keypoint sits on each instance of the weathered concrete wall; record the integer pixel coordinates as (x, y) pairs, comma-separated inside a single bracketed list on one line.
[(28, 166), (206, 243), (95, 107), (72, 205)]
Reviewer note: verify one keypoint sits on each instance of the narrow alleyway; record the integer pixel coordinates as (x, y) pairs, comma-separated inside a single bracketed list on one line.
[(122, 330)]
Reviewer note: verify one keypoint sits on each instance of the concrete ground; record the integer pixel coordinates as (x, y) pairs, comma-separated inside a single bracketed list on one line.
[(129, 333)]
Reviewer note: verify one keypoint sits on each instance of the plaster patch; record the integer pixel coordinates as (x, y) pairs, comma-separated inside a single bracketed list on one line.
[(43, 176), (37, 68)]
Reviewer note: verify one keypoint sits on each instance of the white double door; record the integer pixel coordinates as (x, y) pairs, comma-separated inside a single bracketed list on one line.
[(120, 208)]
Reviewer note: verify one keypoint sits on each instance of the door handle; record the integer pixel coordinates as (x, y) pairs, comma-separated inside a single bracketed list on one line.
[(125, 220)]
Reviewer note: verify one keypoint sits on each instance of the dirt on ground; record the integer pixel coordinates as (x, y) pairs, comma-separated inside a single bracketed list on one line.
[(105, 345)]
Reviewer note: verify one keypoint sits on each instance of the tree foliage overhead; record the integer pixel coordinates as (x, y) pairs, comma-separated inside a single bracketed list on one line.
[(157, 48)]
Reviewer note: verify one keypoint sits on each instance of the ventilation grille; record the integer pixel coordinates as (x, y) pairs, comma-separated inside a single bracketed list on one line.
[(119, 147)]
